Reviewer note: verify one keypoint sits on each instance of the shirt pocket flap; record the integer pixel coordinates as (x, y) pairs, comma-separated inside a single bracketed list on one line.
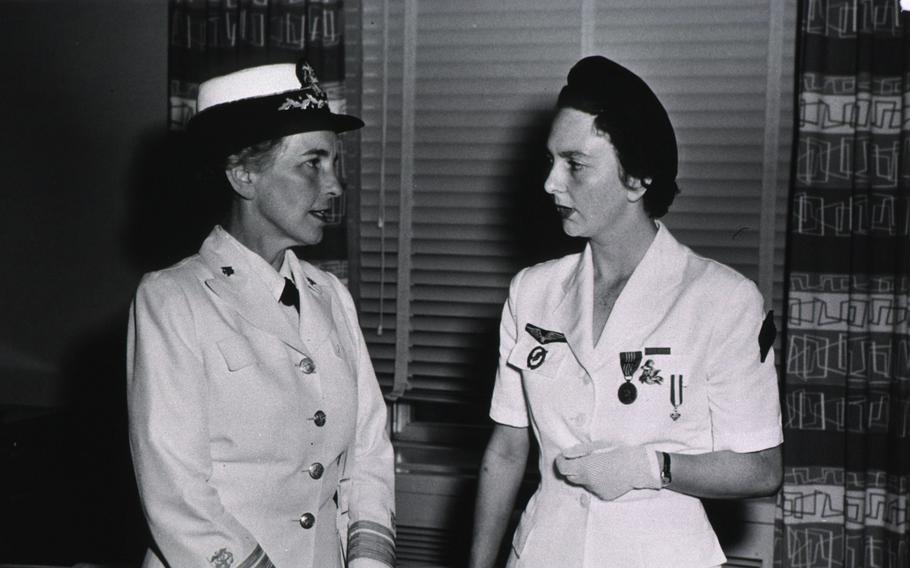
[(530, 356), (237, 353)]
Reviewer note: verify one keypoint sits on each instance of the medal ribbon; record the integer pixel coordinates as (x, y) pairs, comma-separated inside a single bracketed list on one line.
[(629, 362), (673, 389)]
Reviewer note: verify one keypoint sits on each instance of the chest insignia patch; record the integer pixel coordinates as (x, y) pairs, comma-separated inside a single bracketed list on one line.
[(650, 375), (544, 336), (536, 357), (222, 559)]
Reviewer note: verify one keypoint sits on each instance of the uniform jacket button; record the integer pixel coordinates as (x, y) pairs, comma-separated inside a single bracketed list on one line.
[(307, 520), (319, 418), (316, 470), (306, 366)]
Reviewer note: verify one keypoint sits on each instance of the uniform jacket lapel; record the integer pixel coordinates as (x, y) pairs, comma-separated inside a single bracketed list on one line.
[(574, 312), (639, 308), (237, 284), (315, 308), (640, 302)]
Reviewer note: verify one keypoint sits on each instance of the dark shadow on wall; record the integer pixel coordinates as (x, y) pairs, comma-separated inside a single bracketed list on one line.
[(539, 229), (70, 493)]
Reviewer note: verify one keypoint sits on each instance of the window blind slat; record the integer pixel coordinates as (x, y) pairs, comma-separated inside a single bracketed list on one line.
[(486, 75)]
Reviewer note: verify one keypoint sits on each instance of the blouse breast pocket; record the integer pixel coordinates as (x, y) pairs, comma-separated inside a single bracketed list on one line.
[(237, 353), (672, 392)]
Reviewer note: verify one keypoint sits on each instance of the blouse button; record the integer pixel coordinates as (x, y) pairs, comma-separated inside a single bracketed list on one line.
[(316, 470), (307, 520), (584, 500), (306, 366)]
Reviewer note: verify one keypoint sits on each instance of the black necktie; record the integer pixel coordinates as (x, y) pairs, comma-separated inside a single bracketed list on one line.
[(290, 296)]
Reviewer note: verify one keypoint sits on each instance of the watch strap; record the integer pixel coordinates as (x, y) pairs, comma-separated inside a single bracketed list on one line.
[(665, 476)]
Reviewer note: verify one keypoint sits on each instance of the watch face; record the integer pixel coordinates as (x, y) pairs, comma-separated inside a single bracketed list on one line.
[(665, 477)]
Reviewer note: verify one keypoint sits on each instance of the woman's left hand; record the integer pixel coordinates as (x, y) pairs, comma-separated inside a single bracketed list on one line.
[(610, 474)]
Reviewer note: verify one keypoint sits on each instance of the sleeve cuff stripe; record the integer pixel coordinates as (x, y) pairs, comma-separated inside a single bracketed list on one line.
[(257, 559), (385, 556), (363, 538), (372, 527)]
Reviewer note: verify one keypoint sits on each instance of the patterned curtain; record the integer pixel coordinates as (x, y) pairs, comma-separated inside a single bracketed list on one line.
[(214, 37), (847, 376)]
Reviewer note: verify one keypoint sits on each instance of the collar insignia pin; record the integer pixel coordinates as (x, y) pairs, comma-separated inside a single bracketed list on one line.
[(227, 270)]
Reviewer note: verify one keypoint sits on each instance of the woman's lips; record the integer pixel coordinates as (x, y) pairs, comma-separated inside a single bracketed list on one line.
[(563, 211), (321, 214)]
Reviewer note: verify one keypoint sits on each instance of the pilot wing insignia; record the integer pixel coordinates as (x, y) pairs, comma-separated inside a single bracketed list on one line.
[(544, 336)]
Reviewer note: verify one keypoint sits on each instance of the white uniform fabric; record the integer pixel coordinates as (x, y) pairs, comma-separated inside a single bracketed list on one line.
[(692, 317), (228, 421)]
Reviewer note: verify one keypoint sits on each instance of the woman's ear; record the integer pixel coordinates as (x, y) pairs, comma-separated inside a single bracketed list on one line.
[(636, 188), (241, 179)]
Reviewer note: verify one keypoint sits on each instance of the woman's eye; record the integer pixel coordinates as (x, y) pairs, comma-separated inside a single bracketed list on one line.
[(314, 163), (574, 166)]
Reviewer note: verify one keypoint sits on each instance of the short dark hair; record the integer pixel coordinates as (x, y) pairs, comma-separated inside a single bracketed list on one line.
[(257, 157), (628, 111), (210, 174)]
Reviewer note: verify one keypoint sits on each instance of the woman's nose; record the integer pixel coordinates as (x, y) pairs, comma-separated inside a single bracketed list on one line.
[(333, 185), (551, 185)]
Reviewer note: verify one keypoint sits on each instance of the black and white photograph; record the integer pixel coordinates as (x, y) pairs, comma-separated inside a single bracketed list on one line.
[(455, 284)]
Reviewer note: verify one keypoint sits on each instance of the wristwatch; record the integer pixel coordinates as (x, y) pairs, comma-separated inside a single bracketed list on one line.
[(665, 476)]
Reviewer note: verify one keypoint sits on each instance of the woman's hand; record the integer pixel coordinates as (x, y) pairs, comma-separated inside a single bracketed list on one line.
[(724, 474), (610, 474)]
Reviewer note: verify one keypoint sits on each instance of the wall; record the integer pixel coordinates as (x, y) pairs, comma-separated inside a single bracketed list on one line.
[(84, 100), (84, 199)]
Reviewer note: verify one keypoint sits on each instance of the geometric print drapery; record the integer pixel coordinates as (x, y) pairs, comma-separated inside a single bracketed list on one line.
[(846, 380)]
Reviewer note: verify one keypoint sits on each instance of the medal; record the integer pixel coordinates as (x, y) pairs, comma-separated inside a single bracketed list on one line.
[(628, 362), (627, 393), (676, 395)]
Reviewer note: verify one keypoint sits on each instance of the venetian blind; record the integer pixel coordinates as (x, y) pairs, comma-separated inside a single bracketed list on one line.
[(456, 97)]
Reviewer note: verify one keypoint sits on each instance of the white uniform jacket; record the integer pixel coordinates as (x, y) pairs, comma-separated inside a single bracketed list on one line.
[(243, 428), (692, 321)]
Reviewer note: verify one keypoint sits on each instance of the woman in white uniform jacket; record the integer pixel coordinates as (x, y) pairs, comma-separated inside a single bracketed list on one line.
[(644, 370), (259, 436)]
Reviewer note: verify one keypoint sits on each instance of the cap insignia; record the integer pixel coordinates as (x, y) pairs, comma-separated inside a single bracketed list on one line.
[(311, 95)]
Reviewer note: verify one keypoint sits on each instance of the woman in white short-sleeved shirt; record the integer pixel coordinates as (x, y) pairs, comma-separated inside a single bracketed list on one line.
[(644, 370)]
